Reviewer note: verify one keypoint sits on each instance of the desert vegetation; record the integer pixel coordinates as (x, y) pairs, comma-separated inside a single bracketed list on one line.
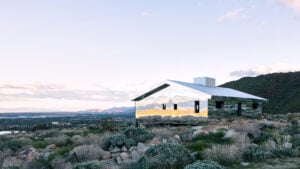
[(218, 144)]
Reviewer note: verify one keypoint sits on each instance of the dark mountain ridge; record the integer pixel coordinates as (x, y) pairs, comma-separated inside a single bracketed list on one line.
[(282, 90)]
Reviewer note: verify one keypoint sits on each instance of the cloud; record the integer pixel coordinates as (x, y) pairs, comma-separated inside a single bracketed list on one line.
[(294, 4), (145, 13), (53, 91), (279, 67), (235, 14)]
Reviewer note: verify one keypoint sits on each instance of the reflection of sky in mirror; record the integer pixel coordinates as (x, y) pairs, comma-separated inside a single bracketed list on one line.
[(116, 48)]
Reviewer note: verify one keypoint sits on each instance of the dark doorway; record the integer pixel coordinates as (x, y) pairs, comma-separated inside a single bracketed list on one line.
[(197, 106), (164, 106), (239, 109), (175, 106)]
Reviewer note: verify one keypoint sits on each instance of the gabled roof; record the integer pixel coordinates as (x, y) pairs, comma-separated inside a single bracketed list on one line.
[(213, 91)]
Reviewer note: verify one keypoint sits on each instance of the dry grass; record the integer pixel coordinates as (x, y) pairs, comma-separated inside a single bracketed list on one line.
[(162, 132), (87, 152), (223, 154)]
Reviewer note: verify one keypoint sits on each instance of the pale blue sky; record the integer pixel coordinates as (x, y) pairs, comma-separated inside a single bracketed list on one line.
[(73, 55)]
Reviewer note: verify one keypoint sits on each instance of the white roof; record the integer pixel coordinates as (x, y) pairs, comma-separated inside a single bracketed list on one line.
[(219, 91), (213, 91)]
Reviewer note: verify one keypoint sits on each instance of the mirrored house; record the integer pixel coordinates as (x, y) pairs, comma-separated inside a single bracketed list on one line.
[(182, 102)]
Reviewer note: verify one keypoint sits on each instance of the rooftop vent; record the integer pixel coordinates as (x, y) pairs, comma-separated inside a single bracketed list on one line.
[(206, 81)]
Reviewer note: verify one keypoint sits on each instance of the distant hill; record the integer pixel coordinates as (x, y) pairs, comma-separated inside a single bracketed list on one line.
[(282, 90), (113, 110)]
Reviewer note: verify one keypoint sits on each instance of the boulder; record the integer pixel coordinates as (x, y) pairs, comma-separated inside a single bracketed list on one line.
[(28, 154), (135, 155), (118, 160), (197, 128), (124, 149), (154, 141), (115, 150), (51, 147), (186, 137), (177, 137), (124, 156), (133, 148), (141, 147), (105, 155)]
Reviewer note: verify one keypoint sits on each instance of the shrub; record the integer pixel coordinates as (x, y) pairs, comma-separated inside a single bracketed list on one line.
[(204, 165), (86, 153), (254, 152), (60, 141), (166, 156), (40, 164), (60, 152), (39, 144), (88, 165), (117, 140), (223, 154), (60, 163), (138, 134), (214, 137), (14, 145)]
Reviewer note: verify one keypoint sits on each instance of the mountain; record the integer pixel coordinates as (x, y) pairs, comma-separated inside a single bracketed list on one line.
[(118, 110), (113, 110), (282, 90)]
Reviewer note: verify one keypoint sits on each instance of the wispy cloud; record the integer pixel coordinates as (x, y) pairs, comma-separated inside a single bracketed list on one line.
[(54, 91), (145, 13), (294, 4), (279, 67), (234, 14)]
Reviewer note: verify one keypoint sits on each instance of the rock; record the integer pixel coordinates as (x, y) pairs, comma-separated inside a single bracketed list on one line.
[(12, 162), (141, 147), (177, 137), (135, 155), (154, 141), (164, 140), (124, 149), (115, 154), (245, 164), (124, 156), (173, 140), (133, 148), (197, 128), (28, 154), (196, 133), (115, 150), (287, 145), (105, 155), (118, 160), (51, 147), (186, 137), (46, 156), (230, 133), (172, 128)]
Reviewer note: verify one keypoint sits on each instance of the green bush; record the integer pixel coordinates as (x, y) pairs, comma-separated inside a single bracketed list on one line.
[(255, 152), (165, 156), (88, 165), (138, 134), (40, 164), (116, 140), (214, 137), (204, 165), (14, 145), (39, 144), (60, 152)]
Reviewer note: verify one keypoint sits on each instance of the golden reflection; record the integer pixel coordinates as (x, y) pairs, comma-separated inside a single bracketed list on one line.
[(172, 113)]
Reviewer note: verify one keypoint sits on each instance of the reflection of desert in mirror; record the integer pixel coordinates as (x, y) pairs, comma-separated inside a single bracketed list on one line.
[(172, 113)]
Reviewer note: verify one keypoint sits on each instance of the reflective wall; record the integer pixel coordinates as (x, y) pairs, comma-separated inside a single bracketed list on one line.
[(184, 98)]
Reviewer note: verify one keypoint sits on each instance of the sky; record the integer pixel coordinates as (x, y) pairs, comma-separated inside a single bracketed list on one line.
[(94, 54)]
